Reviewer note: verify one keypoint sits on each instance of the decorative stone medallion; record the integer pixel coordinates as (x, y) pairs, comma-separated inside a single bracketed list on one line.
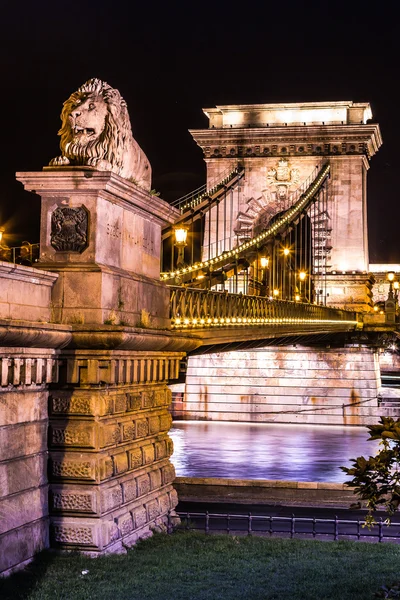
[(282, 178), (69, 229)]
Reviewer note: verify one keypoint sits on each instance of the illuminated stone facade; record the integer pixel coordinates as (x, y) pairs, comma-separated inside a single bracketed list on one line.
[(280, 146)]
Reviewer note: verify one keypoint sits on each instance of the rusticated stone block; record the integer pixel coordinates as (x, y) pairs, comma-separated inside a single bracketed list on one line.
[(77, 535), (139, 516), (134, 402), (72, 501), (170, 446), (173, 498), (128, 431), (168, 474), (121, 403), (155, 479), (142, 428), (165, 422), (161, 397), (106, 468), (80, 435), (143, 484), (147, 398), (111, 498), (160, 449), (153, 510), (129, 490), (154, 425), (120, 463), (135, 458), (66, 468), (78, 405), (125, 524), (110, 435), (164, 503), (111, 532), (148, 454)]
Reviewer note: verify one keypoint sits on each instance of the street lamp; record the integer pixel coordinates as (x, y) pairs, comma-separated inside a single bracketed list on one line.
[(180, 232), (1, 234), (390, 304)]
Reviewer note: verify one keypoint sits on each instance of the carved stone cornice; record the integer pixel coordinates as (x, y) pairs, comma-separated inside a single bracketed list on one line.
[(26, 334), (297, 140), (28, 274), (75, 181), (23, 367), (114, 337)]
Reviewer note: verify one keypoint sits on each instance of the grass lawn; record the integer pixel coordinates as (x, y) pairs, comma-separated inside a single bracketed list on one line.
[(195, 566)]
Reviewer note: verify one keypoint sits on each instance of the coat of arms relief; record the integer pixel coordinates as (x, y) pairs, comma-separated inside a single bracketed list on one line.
[(281, 178)]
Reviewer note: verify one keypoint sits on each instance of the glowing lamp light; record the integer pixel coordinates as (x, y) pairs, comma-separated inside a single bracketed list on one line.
[(396, 285), (276, 293), (390, 276), (297, 298), (180, 233), (264, 261), (302, 275), (1, 234), (286, 251)]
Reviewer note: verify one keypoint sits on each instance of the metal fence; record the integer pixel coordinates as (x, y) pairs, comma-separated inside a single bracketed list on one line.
[(290, 526)]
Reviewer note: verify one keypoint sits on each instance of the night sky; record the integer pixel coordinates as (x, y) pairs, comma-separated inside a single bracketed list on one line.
[(169, 60)]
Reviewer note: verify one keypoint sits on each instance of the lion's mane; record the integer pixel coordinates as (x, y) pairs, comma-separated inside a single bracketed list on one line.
[(115, 148)]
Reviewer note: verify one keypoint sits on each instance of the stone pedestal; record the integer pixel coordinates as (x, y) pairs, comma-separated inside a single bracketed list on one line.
[(110, 473), (102, 234)]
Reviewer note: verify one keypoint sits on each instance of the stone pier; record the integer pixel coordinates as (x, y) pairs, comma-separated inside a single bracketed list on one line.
[(110, 473), (337, 386)]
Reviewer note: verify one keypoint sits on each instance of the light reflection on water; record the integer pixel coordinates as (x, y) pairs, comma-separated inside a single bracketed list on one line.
[(267, 450)]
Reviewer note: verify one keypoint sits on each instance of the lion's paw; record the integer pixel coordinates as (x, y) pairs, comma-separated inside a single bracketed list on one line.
[(59, 161), (100, 164)]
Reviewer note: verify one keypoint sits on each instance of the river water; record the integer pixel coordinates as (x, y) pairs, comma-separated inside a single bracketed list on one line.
[(267, 450)]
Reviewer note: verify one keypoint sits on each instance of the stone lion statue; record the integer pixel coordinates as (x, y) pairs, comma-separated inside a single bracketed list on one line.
[(96, 132)]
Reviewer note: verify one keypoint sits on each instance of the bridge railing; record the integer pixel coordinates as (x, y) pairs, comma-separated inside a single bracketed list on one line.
[(205, 308), (27, 254)]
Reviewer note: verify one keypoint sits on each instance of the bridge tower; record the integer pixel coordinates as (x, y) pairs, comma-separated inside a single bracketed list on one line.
[(279, 146), (282, 147)]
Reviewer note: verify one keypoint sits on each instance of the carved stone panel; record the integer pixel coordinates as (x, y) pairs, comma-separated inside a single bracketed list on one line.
[(69, 229)]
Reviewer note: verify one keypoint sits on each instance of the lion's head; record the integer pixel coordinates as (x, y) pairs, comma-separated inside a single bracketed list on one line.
[(96, 131)]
